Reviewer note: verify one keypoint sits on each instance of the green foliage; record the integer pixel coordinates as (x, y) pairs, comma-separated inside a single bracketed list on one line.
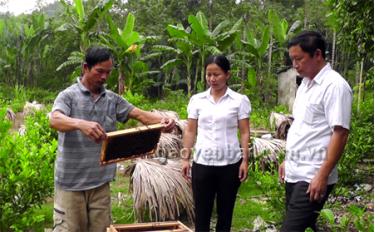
[(16, 97), (356, 24), (260, 115), (122, 201), (360, 146), (26, 171), (355, 217), (19, 98), (268, 183), (174, 101), (259, 196)]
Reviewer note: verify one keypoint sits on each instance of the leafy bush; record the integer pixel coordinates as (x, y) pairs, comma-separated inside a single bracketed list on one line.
[(268, 183), (360, 145), (26, 171), (355, 217), (175, 101), (260, 115), (15, 97), (19, 97)]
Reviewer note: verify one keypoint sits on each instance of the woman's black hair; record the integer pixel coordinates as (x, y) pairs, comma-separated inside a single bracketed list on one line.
[(95, 55), (219, 60)]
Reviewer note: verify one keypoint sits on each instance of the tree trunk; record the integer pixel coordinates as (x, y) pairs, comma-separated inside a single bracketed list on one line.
[(188, 78), (121, 83), (269, 67), (333, 49), (243, 71), (202, 72), (243, 76), (360, 86), (305, 15), (210, 6), (269, 58), (196, 76)]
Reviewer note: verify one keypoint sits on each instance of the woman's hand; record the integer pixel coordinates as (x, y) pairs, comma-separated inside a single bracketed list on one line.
[(282, 172), (186, 169), (244, 167)]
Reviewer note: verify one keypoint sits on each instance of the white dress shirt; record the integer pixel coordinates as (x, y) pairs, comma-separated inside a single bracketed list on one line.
[(320, 104), (217, 141)]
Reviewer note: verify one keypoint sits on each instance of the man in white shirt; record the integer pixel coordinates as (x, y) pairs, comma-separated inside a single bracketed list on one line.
[(317, 137)]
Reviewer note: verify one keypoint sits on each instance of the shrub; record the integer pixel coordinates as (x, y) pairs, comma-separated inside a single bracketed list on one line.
[(26, 171), (360, 144)]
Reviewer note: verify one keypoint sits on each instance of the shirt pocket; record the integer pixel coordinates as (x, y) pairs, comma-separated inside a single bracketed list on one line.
[(309, 116), (311, 113)]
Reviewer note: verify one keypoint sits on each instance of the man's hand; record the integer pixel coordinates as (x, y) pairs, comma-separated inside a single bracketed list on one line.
[(317, 187), (63, 123), (93, 130), (168, 124), (282, 172)]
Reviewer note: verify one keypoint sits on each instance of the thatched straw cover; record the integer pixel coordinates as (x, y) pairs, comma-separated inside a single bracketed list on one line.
[(160, 192), (281, 123), (169, 146), (267, 151)]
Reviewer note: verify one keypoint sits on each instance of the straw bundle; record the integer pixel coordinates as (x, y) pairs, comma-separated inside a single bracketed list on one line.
[(169, 146), (166, 114), (10, 115), (276, 119), (267, 151), (281, 123), (161, 190), (180, 124)]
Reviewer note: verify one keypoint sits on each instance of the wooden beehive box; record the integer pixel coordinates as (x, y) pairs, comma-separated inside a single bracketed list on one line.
[(171, 226), (130, 143)]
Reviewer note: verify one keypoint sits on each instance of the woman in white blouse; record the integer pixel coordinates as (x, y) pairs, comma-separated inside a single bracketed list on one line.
[(220, 161)]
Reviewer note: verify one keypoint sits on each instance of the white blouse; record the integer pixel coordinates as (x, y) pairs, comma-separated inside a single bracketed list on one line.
[(217, 142)]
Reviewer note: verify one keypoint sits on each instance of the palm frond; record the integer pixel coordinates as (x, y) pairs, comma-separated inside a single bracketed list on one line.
[(169, 146), (75, 58), (160, 193), (281, 123), (267, 151)]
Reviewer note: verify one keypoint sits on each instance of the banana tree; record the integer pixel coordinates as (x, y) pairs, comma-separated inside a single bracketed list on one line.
[(126, 46), (81, 24), (37, 37), (257, 50), (183, 52), (205, 41), (213, 42), (280, 33), (22, 41)]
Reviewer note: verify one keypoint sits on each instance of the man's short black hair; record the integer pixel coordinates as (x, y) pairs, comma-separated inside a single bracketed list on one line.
[(96, 54), (309, 41)]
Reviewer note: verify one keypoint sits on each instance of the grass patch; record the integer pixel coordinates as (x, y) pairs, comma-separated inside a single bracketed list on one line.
[(46, 210), (257, 198), (122, 201)]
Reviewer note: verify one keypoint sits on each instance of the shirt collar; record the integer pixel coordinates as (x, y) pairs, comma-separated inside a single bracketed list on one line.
[(85, 90), (228, 92), (318, 77)]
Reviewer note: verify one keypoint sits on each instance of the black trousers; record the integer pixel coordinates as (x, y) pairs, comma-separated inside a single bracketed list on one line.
[(301, 213), (209, 182)]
